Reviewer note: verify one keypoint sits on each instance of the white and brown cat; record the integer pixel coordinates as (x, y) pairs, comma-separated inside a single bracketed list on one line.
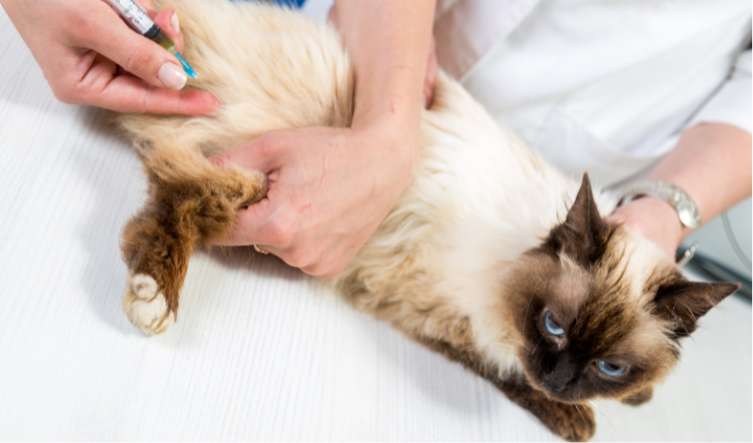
[(481, 259)]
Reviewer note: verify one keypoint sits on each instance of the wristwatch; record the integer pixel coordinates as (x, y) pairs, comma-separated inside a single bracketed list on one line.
[(687, 210)]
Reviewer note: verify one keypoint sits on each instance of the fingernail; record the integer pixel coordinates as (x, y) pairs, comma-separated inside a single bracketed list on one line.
[(175, 22), (172, 76)]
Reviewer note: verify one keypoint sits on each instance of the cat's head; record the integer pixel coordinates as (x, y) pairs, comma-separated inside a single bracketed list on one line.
[(599, 309)]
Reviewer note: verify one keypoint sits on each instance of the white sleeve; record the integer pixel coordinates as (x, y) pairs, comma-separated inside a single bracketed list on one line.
[(732, 101)]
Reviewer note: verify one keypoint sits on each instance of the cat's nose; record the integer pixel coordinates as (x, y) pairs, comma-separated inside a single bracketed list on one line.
[(554, 385), (562, 374)]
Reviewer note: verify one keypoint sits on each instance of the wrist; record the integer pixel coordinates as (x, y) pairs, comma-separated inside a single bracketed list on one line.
[(662, 211), (399, 107), (392, 122), (654, 219), (392, 136)]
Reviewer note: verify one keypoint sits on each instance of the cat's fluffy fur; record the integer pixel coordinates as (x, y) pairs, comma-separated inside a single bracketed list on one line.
[(476, 251)]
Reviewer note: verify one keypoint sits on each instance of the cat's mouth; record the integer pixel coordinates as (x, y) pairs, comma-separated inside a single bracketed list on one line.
[(553, 388), (567, 395)]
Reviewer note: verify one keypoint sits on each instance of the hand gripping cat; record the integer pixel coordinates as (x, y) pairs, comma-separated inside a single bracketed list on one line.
[(492, 257)]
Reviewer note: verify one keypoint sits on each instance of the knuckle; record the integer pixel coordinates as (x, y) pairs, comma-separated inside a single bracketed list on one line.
[(334, 269), (137, 61), (325, 270), (81, 25), (267, 145), (315, 270), (281, 232), (66, 94), (311, 271), (299, 258)]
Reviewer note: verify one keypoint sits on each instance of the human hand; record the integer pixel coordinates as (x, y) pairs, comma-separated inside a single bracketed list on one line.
[(432, 64), (330, 188), (81, 46), (325, 198), (654, 219)]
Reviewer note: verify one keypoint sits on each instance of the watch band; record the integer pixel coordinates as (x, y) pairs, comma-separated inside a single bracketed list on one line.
[(683, 204)]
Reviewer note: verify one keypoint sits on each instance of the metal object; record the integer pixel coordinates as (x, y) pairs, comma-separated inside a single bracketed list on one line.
[(687, 210), (139, 21), (687, 255)]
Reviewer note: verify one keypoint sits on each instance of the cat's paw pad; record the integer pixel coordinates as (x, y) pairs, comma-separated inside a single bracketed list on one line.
[(145, 305)]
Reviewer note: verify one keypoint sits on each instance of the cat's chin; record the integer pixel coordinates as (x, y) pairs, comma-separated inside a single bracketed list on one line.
[(566, 396)]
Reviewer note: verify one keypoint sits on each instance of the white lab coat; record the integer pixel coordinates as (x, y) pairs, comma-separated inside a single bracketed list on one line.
[(603, 86)]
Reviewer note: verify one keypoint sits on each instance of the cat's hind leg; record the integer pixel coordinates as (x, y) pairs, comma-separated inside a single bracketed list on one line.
[(191, 203)]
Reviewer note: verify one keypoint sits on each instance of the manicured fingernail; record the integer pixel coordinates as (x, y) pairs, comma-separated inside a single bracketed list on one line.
[(175, 22), (172, 76)]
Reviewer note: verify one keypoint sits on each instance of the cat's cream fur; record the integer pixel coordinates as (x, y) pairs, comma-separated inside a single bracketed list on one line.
[(480, 196), (438, 266)]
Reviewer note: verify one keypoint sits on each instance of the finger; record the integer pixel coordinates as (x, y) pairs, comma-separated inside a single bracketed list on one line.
[(138, 55), (126, 93), (329, 266), (169, 23), (319, 270), (264, 154), (259, 225), (148, 5), (167, 20)]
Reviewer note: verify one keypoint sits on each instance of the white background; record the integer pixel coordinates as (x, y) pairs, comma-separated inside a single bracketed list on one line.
[(259, 352)]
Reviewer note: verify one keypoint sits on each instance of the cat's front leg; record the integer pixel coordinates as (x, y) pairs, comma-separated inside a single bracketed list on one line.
[(573, 422), (639, 397)]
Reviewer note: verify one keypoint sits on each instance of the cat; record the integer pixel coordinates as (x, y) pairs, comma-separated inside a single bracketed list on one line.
[(492, 257)]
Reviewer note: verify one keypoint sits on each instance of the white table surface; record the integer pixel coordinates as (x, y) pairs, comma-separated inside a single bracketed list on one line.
[(259, 352)]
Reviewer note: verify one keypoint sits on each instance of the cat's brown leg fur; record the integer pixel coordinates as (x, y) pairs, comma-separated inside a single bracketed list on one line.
[(570, 421), (573, 422), (186, 209), (639, 397)]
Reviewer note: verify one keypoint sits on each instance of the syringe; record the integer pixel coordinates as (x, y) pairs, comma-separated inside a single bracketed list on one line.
[(139, 20)]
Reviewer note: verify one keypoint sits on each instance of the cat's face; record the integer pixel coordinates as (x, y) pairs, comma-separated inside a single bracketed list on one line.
[(599, 309)]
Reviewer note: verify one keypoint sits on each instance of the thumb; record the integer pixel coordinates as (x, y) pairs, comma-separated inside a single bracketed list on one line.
[(257, 225), (114, 39)]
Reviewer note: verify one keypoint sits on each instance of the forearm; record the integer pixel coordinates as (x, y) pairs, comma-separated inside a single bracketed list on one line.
[(712, 163), (388, 42)]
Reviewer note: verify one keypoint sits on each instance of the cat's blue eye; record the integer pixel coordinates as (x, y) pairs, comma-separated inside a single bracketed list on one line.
[(551, 326), (610, 369)]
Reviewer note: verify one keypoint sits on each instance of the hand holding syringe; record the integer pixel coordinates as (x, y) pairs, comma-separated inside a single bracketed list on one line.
[(140, 21), (89, 55)]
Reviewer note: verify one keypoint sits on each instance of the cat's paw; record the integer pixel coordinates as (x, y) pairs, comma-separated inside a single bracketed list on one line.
[(252, 187), (145, 305), (574, 422), (639, 397)]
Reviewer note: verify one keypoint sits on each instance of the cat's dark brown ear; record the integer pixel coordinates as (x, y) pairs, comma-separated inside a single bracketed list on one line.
[(683, 302), (583, 234)]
